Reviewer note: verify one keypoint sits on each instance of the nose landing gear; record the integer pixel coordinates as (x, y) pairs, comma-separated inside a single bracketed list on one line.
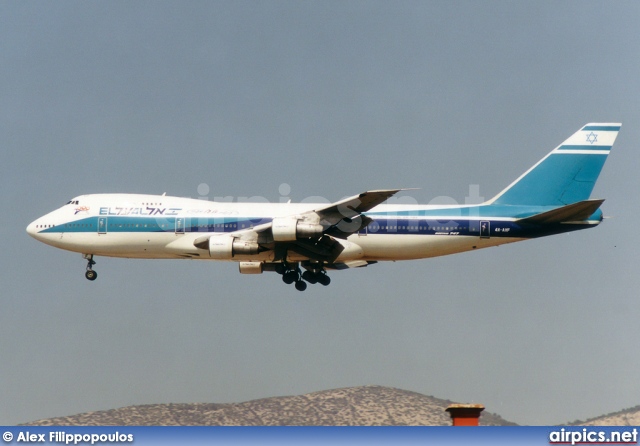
[(90, 274)]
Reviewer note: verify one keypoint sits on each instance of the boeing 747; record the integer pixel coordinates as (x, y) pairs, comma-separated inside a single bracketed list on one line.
[(302, 241)]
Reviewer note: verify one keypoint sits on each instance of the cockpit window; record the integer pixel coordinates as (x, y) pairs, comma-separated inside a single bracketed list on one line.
[(73, 202)]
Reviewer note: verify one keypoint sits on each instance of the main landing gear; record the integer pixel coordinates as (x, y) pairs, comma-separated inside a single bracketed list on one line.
[(90, 274), (317, 277), (292, 274)]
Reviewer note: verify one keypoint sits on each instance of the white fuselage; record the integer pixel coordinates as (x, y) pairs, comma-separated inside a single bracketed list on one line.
[(153, 226), (552, 197)]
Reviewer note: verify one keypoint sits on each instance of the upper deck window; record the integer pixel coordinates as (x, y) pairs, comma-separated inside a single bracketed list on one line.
[(73, 202)]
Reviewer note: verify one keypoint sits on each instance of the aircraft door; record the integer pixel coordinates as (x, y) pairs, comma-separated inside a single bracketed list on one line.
[(485, 229), (102, 225), (179, 225)]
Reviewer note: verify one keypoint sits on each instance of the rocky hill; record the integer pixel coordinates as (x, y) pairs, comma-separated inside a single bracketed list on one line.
[(354, 406), (626, 417)]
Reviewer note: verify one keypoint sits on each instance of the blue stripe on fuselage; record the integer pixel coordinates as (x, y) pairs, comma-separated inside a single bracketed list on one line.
[(453, 221), (495, 211), (466, 227), (156, 224)]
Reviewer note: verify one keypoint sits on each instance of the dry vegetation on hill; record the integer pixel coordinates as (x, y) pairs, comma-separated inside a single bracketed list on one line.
[(626, 417), (354, 406)]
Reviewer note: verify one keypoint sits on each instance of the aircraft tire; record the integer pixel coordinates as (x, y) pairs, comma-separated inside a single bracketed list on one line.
[(310, 277), (91, 275), (289, 277), (301, 285), (324, 279)]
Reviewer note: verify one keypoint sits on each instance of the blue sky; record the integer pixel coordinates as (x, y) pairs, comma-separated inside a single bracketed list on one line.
[(330, 98)]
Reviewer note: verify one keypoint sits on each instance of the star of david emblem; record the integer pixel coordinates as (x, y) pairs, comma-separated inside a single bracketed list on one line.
[(592, 137)]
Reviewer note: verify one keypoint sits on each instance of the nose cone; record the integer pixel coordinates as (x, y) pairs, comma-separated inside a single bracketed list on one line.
[(32, 229)]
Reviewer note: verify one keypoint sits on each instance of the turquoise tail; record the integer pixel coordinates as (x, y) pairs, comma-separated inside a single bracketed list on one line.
[(567, 174)]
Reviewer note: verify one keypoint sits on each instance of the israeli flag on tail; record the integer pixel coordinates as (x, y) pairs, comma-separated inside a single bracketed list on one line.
[(567, 174)]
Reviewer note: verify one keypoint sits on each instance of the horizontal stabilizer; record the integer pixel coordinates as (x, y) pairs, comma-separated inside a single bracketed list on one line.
[(579, 211)]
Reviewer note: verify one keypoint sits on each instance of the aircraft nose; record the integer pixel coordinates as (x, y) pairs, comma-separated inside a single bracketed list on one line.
[(31, 229)]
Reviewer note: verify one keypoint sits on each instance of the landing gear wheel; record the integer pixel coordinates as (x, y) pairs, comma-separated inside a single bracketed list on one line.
[(90, 274), (310, 277), (290, 276), (301, 285), (324, 279)]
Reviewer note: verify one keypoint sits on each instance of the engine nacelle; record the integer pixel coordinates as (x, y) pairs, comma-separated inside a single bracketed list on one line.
[(287, 229), (224, 247), (309, 230), (250, 267), (246, 248)]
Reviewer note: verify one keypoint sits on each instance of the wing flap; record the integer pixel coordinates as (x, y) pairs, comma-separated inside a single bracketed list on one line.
[(350, 264)]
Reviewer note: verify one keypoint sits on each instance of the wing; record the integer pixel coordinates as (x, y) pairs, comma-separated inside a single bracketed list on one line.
[(345, 217), (319, 234)]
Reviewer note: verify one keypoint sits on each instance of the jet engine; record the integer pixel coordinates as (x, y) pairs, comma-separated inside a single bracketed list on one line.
[(250, 267), (287, 229), (225, 247)]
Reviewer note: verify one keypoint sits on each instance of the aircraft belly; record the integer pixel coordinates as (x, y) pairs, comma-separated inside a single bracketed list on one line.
[(129, 245), (413, 246), (171, 245)]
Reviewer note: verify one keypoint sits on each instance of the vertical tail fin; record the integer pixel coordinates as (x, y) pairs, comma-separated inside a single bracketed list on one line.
[(567, 174)]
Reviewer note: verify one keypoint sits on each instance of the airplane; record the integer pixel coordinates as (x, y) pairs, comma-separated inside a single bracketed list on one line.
[(302, 241)]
